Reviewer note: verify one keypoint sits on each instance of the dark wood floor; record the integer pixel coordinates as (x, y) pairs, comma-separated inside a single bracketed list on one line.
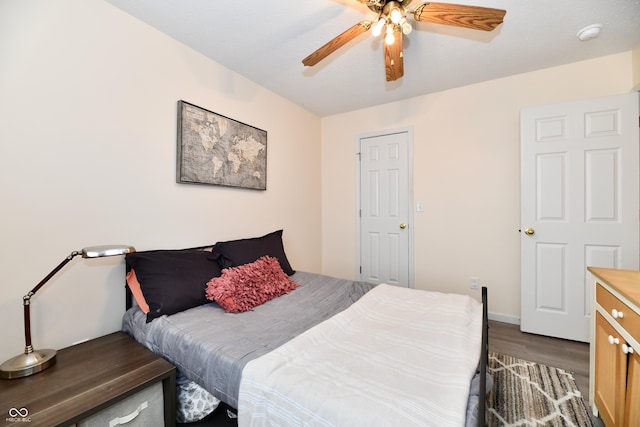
[(569, 355), (507, 339)]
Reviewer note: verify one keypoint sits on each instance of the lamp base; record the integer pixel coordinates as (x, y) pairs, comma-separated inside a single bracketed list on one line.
[(28, 363)]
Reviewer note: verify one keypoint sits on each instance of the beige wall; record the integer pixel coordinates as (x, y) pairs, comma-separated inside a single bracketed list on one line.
[(466, 171), (88, 109), (636, 67)]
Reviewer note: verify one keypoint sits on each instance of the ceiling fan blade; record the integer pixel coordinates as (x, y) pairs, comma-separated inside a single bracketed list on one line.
[(474, 17), (393, 57), (336, 43)]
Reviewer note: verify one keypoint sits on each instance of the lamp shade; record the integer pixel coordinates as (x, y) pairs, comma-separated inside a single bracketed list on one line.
[(107, 250), (33, 361)]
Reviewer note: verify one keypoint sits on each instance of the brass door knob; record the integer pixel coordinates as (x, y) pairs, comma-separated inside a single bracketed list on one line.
[(529, 231), (403, 226)]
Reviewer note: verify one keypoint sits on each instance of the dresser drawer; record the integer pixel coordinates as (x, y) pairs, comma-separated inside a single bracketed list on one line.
[(145, 408), (630, 320)]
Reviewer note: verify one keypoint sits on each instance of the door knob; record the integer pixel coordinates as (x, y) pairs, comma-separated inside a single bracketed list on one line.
[(403, 226), (529, 231)]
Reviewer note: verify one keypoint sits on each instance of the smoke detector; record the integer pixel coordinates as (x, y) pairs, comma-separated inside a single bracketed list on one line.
[(589, 32)]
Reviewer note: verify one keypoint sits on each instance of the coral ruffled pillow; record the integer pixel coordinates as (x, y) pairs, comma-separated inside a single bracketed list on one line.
[(247, 286)]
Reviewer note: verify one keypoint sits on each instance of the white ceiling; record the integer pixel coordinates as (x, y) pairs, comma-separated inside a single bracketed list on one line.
[(266, 41)]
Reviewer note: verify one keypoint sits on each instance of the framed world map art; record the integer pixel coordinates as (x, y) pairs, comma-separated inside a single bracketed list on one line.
[(217, 150)]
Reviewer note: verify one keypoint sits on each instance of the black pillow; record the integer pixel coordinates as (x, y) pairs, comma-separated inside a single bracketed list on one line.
[(238, 252), (172, 280)]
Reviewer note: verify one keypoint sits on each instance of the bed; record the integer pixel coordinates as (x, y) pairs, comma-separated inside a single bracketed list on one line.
[(324, 351)]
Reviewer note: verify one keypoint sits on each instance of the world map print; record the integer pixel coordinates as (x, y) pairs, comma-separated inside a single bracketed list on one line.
[(213, 149)]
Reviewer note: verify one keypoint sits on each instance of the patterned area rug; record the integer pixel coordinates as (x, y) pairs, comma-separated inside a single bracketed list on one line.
[(530, 394)]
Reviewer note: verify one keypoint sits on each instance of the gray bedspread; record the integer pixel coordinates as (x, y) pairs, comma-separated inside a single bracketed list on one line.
[(211, 347)]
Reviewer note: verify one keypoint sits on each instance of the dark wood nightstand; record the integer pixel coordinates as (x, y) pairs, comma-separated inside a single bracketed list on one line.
[(88, 380)]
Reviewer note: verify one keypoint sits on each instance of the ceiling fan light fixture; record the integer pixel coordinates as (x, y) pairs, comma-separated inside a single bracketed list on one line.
[(389, 38), (396, 15), (390, 17), (406, 27), (376, 30)]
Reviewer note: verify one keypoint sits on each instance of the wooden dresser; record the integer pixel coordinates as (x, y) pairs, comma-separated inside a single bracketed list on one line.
[(614, 386), (111, 380)]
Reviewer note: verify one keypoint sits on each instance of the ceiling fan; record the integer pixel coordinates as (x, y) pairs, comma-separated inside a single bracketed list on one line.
[(392, 19)]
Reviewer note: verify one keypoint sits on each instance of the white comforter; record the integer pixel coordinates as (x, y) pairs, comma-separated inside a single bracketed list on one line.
[(396, 357)]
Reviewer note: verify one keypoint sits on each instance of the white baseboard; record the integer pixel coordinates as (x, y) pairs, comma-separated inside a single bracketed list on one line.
[(504, 318)]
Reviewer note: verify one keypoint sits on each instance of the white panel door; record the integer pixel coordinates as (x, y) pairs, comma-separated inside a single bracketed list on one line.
[(579, 207), (384, 209)]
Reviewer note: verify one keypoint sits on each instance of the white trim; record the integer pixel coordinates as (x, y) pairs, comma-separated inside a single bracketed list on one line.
[(504, 318), (409, 131)]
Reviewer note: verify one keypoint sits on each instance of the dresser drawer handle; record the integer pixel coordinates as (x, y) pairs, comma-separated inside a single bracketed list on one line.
[(617, 314), (627, 349), (127, 418), (612, 340)]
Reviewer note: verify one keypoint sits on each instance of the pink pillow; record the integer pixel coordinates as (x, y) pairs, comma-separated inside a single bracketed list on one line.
[(247, 286)]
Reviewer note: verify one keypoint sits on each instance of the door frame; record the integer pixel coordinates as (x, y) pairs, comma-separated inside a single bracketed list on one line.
[(409, 131)]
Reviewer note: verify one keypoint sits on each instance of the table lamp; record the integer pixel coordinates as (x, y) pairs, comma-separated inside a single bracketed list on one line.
[(33, 361)]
